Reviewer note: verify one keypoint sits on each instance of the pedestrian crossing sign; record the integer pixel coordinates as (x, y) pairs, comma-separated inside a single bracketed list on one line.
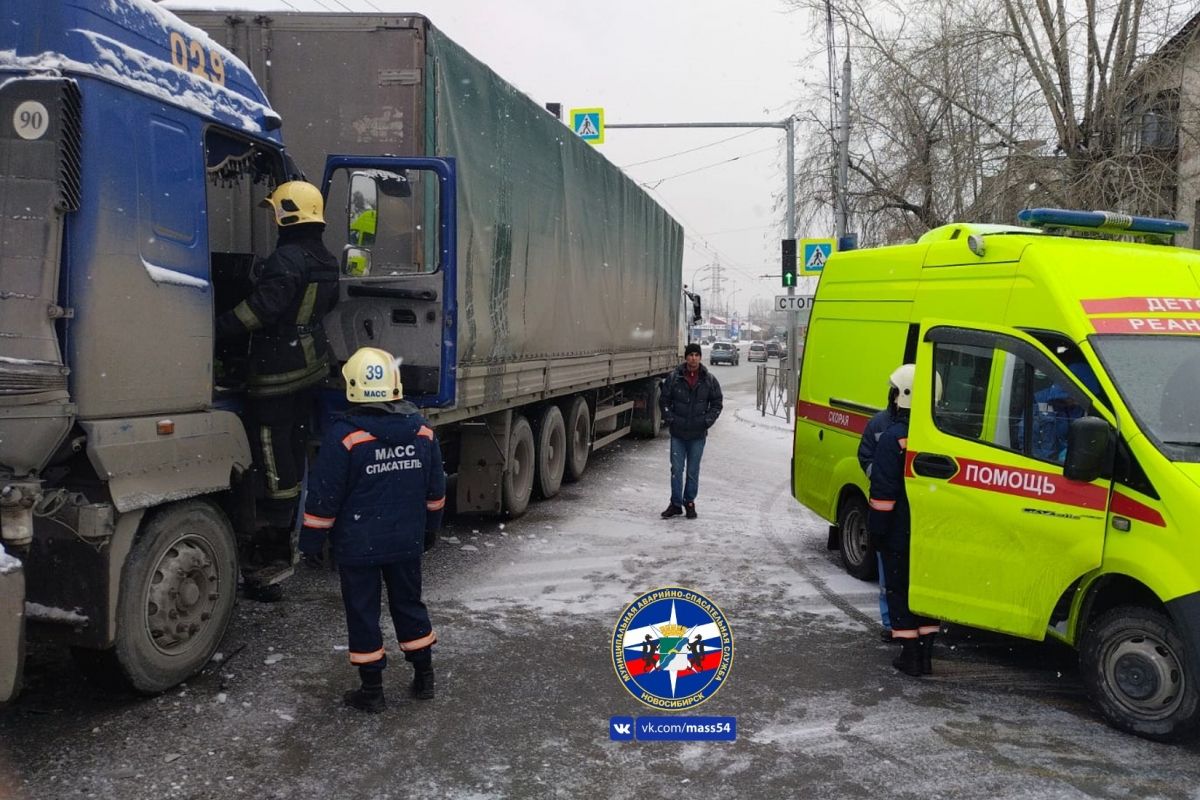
[(588, 124), (814, 253)]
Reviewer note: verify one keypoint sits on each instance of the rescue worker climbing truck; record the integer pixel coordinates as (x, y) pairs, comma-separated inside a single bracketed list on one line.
[(534, 306), (544, 335), (1055, 487)]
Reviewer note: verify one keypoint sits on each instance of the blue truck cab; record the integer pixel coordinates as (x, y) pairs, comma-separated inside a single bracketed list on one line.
[(134, 151)]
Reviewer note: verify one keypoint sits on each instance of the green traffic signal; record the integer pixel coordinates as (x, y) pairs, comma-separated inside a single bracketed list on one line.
[(789, 262)]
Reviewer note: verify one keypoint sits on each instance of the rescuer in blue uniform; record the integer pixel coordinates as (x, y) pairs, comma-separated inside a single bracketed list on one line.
[(377, 490), (890, 530), (866, 456)]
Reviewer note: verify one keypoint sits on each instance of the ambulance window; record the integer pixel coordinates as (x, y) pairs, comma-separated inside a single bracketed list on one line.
[(964, 370), (998, 396)]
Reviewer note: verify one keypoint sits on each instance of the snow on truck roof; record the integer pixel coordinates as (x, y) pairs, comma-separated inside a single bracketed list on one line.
[(140, 46)]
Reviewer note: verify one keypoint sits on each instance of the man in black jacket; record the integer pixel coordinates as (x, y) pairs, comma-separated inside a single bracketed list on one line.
[(691, 402), (288, 355)]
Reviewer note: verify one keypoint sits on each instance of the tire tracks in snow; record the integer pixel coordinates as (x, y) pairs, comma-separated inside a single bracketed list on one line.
[(767, 523)]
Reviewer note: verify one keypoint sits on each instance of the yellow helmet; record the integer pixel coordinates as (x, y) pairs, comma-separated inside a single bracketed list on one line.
[(372, 376), (295, 203)]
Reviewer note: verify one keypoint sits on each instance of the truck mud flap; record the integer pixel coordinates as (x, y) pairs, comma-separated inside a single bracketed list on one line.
[(12, 626)]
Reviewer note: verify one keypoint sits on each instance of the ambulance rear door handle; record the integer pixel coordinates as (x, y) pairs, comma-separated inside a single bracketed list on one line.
[(932, 465)]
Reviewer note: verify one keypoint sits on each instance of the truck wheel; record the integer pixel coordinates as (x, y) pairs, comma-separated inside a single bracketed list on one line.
[(579, 437), (177, 593), (519, 467), (648, 421), (1135, 667), (858, 556), (551, 440)]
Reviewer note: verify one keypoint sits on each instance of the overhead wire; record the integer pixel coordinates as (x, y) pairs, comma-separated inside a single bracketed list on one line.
[(691, 150), (660, 181)]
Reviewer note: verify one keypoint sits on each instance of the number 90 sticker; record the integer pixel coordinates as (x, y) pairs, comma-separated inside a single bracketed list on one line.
[(31, 120)]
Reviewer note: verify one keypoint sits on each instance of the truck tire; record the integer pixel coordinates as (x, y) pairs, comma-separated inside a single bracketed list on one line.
[(858, 555), (579, 437), (177, 592), (648, 421), (550, 436), (518, 467), (1135, 668)]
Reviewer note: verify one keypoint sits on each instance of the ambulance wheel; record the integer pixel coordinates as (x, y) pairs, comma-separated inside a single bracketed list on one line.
[(519, 467), (177, 592), (551, 440), (1135, 667), (858, 556), (579, 437)]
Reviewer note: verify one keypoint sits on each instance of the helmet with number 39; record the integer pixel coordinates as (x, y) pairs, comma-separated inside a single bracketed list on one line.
[(372, 376)]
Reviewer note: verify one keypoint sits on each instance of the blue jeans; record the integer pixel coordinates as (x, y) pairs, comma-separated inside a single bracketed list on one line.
[(686, 451), (884, 617)]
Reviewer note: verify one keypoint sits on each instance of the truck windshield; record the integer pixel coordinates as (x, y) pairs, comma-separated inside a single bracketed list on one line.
[(1159, 379)]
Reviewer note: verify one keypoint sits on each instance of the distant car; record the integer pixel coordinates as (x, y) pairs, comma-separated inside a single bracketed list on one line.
[(757, 352), (724, 353), (773, 350)]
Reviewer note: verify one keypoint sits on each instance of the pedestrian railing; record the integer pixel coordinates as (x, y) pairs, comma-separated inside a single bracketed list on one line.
[(771, 396)]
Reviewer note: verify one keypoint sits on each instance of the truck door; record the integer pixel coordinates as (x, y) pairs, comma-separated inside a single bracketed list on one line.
[(397, 226), (998, 534)]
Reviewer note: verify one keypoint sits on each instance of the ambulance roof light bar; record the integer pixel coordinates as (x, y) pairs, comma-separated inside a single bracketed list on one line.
[(1103, 222)]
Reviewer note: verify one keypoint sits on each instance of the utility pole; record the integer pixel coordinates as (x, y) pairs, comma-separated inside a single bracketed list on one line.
[(843, 204)]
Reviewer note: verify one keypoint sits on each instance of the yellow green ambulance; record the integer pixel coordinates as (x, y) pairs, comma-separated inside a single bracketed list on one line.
[(1055, 484)]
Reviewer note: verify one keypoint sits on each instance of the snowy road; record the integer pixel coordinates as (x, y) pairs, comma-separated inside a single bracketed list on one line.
[(525, 612)]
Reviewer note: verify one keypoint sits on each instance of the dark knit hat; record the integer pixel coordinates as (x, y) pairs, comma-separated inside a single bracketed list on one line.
[(692, 348)]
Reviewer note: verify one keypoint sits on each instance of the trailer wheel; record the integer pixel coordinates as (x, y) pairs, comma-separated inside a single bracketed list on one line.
[(1135, 668), (858, 556), (648, 421), (518, 467), (579, 437), (551, 441), (177, 592)]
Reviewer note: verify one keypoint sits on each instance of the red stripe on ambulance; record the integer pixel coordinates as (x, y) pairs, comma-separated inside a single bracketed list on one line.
[(1034, 484), (1146, 324), (824, 415), (1141, 305), (1128, 507)]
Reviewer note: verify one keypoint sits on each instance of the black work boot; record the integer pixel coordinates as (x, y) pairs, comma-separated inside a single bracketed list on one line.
[(672, 511), (423, 681), (927, 653), (369, 696), (690, 508), (909, 660)]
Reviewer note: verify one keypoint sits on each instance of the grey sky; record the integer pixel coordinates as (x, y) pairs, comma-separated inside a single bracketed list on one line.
[(647, 61)]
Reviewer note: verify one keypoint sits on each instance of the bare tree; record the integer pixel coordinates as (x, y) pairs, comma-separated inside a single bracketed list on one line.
[(967, 109)]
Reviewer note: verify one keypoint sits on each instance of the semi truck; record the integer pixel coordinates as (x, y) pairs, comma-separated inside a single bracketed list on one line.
[(531, 292)]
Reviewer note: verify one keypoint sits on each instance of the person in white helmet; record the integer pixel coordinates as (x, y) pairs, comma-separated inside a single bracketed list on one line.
[(889, 524), (377, 493)]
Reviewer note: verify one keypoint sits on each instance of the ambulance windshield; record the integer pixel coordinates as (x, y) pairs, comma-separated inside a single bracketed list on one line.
[(1159, 379)]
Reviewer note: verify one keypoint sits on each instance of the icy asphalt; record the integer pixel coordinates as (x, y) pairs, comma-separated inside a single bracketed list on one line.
[(525, 611)]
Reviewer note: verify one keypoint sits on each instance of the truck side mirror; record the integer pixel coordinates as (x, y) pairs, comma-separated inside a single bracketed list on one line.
[(361, 213), (356, 262), (1091, 449), (697, 317)]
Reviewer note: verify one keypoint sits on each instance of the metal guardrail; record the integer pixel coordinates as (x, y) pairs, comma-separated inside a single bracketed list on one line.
[(771, 391)]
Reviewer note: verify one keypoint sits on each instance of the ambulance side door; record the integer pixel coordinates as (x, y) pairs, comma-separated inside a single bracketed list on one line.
[(998, 534)]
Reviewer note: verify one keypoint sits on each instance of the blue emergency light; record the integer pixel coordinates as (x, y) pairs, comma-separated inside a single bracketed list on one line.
[(1101, 222)]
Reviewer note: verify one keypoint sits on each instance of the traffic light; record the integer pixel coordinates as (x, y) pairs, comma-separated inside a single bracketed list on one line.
[(789, 262)]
